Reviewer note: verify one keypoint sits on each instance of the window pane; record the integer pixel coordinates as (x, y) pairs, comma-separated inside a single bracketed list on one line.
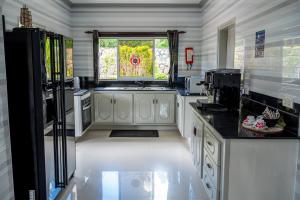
[(108, 54), (136, 58), (162, 59), (48, 58), (69, 58)]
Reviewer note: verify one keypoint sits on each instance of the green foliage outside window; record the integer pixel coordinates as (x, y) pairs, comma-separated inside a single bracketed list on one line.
[(143, 50), (115, 59), (69, 58)]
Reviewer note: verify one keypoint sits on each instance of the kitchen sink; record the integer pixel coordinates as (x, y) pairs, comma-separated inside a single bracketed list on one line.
[(155, 88)]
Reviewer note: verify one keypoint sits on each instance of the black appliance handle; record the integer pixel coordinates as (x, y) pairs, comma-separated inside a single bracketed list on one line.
[(55, 102), (63, 110), (59, 126)]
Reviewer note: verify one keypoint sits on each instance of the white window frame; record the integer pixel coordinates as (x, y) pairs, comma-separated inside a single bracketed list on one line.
[(119, 78)]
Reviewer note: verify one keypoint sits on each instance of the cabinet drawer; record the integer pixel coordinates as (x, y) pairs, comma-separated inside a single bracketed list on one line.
[(212, 170), (209, 188), (212, 145)]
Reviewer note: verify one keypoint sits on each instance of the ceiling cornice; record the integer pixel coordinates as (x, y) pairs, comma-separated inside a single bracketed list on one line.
[(113, 5)]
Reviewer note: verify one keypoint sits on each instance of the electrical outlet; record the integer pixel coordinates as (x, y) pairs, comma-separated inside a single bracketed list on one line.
[(246, 90), (288, 102)]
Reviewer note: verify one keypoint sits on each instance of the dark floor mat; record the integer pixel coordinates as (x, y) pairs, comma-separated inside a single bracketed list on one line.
[(134, 133)]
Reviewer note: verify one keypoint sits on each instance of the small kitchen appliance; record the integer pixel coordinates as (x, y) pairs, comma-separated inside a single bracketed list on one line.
[(224, 87), (192, 84)]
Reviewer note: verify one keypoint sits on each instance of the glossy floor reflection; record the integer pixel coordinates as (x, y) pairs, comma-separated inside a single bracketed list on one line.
[(134, 169)]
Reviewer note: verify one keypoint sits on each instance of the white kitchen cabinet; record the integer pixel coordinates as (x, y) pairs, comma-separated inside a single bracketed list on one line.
[(197, 143), (184, 116), (252, 165), (123, 108), (104, 110), (134, 108), (180, 114), (154, 108), (144, 106), (165, 108)]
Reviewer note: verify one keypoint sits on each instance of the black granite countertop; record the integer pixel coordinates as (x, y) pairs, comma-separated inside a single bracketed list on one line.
[(184, 92), (227, 124), (181, 91), (125, 88)]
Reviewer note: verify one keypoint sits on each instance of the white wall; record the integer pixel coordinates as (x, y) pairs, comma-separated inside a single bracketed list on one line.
[(52, 15), (280, 19), (6, 181), (134, 19)]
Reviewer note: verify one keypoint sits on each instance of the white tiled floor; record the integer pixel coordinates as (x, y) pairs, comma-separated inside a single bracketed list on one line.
[(134, 169)]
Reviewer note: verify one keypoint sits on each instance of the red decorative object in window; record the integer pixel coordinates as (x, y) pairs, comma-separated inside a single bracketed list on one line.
[(134, 60)]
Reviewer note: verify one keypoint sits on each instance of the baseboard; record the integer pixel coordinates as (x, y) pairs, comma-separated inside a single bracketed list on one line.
[(134, 127)]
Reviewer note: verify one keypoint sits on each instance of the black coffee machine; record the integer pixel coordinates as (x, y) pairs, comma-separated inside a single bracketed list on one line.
[(224, 86)]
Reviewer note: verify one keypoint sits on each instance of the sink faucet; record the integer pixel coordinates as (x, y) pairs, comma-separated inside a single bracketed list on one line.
[(140, 83)]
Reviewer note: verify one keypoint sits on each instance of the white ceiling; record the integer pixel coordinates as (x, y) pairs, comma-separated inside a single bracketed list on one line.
[(136, 1)]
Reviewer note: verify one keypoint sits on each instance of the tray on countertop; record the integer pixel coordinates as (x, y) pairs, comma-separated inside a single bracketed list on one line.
[(273, 130)]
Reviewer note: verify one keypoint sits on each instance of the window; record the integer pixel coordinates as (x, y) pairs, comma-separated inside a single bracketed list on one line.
[(134, 59)]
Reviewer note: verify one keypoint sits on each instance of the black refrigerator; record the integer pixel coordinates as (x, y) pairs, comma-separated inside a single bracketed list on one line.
[(41, 112)]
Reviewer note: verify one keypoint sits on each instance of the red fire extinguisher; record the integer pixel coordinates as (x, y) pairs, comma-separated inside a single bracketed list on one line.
[(189, 57)]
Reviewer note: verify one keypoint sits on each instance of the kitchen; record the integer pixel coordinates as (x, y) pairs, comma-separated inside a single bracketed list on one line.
[(262, 40)]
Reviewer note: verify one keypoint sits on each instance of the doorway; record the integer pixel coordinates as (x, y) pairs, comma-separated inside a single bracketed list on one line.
[(226, 45)]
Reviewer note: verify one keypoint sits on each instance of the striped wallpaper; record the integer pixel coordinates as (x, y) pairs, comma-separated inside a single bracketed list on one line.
[(6, 181), (50, 14), (278, 73), (134, 19)]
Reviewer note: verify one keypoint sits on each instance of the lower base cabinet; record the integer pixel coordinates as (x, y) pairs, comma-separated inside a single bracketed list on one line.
[(154, 108), (144, 108), (113, 108), (184, 114), (123, 105), (197, 143), (257, 167), (134, 108)]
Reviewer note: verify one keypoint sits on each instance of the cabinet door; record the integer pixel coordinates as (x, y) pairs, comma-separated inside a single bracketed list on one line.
[(187, 115), (123, 109), (165, 108), (144, 108), (104, 108), (180, 115), (197, 142)]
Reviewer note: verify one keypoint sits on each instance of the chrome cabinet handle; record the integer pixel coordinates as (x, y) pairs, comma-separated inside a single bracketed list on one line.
[(115, 101), (208, 186), (156, 101), (195, 131), (111, 101), (153, 101), (209, 166), (209, 143)]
